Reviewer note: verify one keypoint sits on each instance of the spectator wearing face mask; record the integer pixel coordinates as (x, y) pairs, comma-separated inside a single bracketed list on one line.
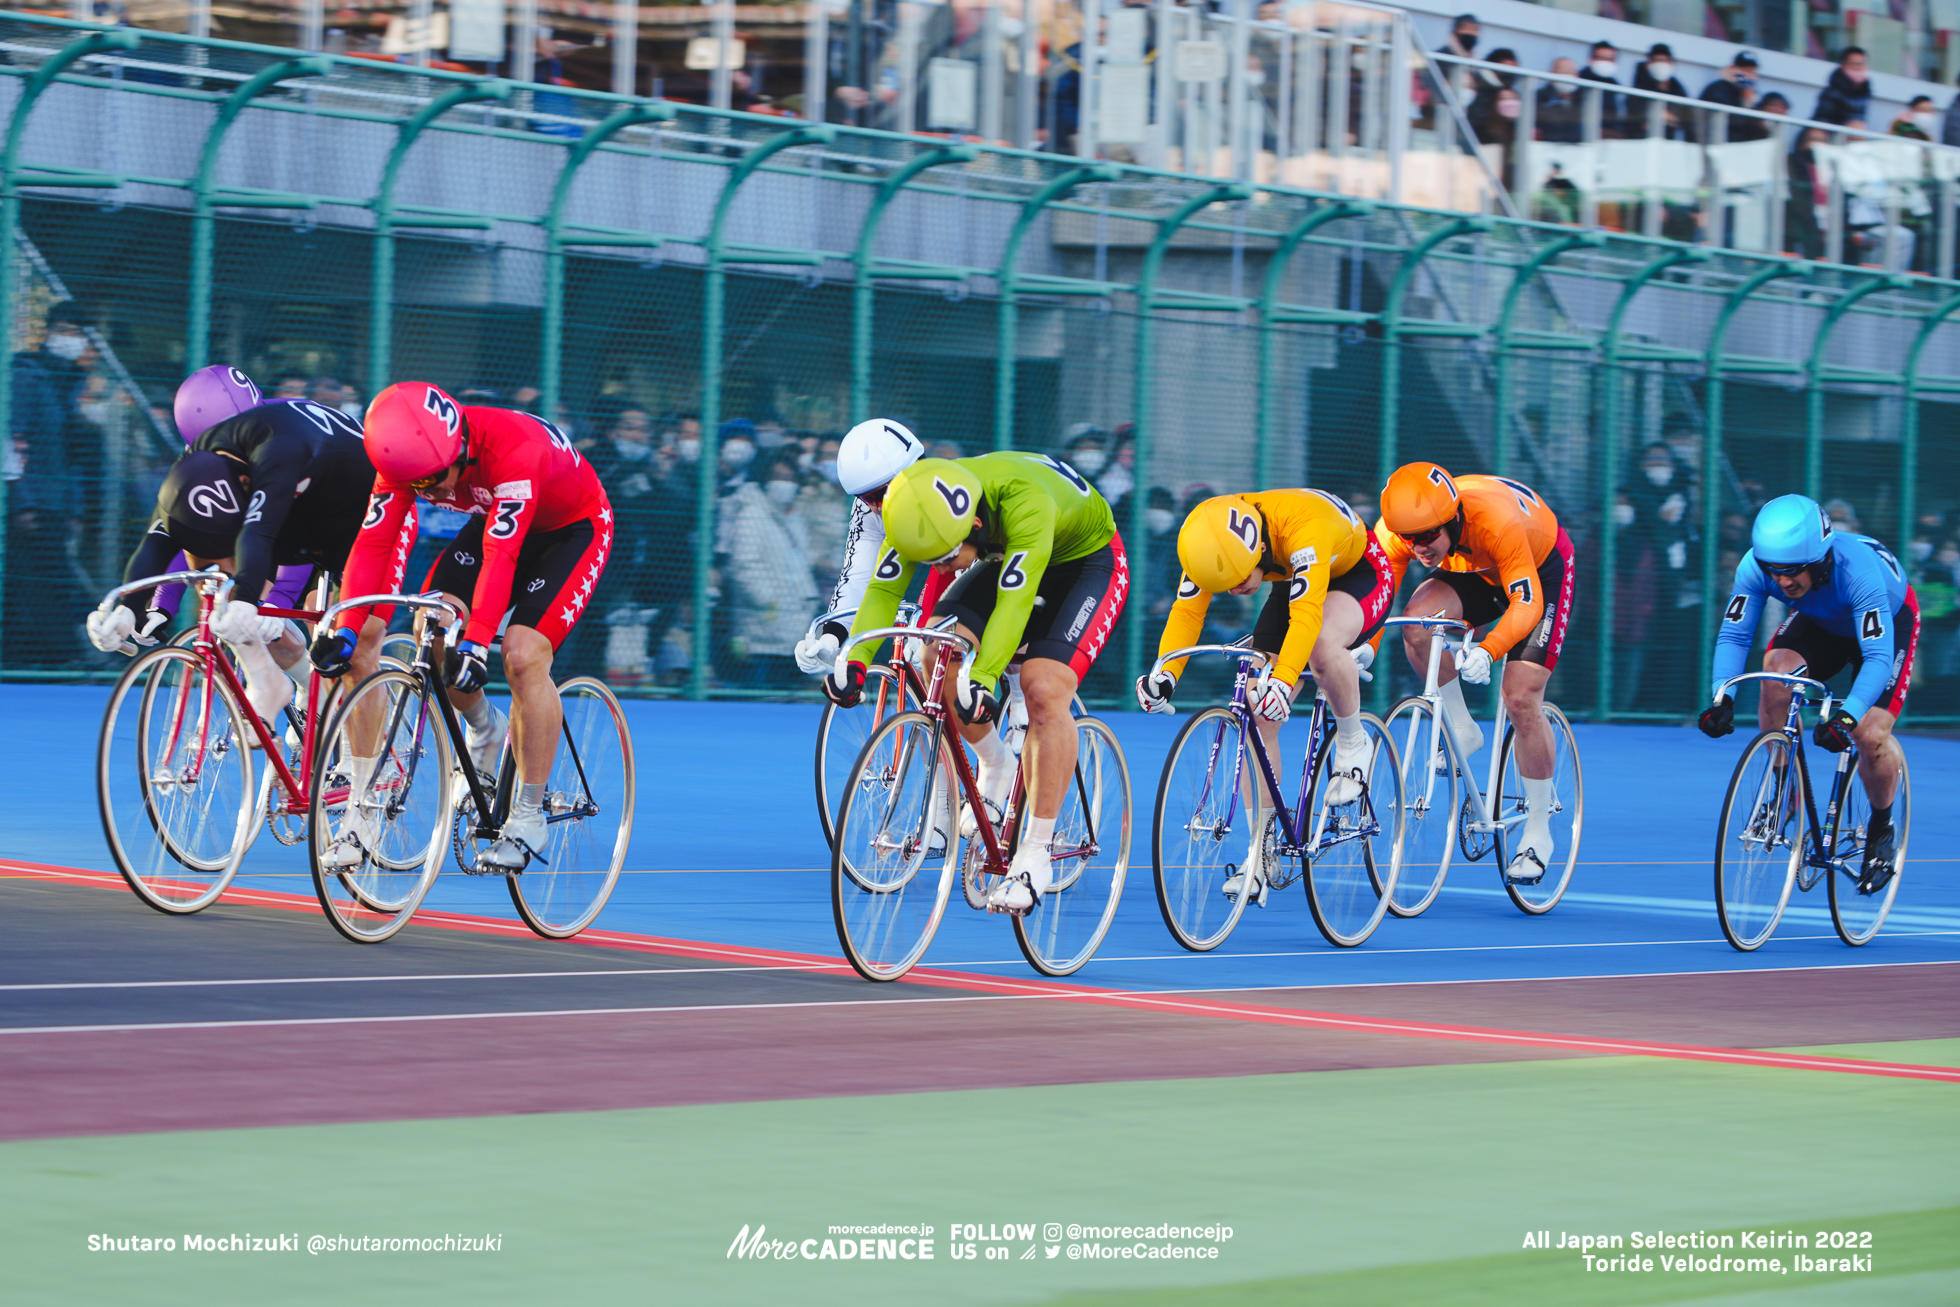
[(1735, 88), (1659, 519), (1462, 43), (1918, 122), (1847, 97), (1085, 447), (1486, 119), (1656, 73), (767, 591), (1119, 475), (826, 513), (1603, 66), (1161, 521), (631, 618), (1558, 106), (51, 449)]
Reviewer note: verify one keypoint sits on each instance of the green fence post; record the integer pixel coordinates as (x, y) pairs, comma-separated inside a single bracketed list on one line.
[(1271, 316), (381, 290), (197, 344), (1392, 330), (1008, 279), (1909, 423), (1501, 391), (1813, 443), (1609, 459), (11, 180), (553, 324), (1711, 453), (864, 264), (712, 313)]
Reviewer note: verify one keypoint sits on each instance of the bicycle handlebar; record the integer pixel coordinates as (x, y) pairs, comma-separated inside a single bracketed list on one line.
[(1432, 623), (170, 578), (430, 601), (1823, 691), (908, 613)]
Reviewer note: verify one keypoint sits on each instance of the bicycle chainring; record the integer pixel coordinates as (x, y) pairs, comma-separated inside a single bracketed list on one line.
[(1475, 844)]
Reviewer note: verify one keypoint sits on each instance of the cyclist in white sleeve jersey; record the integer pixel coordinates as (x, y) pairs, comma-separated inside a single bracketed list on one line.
[(871, 454)]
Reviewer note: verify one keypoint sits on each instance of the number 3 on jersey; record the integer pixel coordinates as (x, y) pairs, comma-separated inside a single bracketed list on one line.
[(504, 522)]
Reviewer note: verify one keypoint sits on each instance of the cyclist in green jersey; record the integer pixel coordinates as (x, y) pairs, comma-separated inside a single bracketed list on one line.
[(1042, 571)]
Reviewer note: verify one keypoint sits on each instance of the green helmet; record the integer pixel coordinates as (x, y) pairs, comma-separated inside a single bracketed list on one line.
[(929, 509)]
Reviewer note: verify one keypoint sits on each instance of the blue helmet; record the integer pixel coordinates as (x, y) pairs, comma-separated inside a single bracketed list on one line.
[(1789, 530)]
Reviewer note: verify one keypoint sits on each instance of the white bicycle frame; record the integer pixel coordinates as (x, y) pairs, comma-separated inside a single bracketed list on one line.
[(1482, 823)]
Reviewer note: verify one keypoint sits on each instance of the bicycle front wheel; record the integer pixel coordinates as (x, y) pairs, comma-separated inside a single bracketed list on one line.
[(1856, 916), (588, 805), (1090, 854), (1567, 817), (1200, 826), (1760, 842), (173, 780), (1429, 804), (1354, 850), (891, 866), (841, 734), (380, 806)]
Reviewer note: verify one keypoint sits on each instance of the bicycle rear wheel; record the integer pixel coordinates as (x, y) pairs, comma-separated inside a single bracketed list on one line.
[(1429, 793), (1567, 820), (891, 866), (1354, 851), (841, 734), (588, 804), (1199, 826), (1760, 842), (173, 781), (1090, 854), (396, 820), (1856, 916)]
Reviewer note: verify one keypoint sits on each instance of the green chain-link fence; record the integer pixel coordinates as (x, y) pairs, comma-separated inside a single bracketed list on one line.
[(706, 298)]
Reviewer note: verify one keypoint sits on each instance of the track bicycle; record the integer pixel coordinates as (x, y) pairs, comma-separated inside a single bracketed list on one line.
[(1768, 842), (424, 797), (1349, 854), (174, 760), (1481, 822), (892, 863), (889, 688)]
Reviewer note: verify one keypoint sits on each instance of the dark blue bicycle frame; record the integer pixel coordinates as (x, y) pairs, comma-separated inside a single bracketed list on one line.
[(1294, 836)]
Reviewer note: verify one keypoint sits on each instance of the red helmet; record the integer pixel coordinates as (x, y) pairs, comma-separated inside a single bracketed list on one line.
[(414, 432)]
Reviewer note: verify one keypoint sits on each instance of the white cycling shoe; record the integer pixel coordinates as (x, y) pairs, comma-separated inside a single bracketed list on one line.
[(1252, 869), (1533, 859), (994, 787), (1344, 776), (1028, 877), (359, 839), (521, 840)]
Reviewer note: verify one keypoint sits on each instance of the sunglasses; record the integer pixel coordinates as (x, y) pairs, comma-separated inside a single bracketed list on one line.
[(1424, 537), (873, 498), (429, 482), (1784, 569)]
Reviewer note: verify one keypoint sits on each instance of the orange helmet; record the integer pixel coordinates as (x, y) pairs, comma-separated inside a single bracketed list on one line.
[(1419, 497)]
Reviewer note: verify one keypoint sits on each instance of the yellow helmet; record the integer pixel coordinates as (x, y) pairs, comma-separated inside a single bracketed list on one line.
[(929, 509), (1222, 542)]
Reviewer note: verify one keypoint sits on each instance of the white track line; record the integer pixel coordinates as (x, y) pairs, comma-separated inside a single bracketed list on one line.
[(838, 965)]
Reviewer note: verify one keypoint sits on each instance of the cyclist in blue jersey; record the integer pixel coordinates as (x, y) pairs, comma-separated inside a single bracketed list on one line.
[(1850, 604)]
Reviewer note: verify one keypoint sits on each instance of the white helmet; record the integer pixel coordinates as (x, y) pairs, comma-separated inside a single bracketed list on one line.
[(873, 453)]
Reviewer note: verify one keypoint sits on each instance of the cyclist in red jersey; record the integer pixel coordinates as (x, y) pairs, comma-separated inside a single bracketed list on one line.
[(537, 544)]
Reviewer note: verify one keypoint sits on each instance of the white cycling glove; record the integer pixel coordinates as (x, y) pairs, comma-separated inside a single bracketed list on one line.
[(1473, 665), (111, 631), (1364, 658), (239, 623), (1154, 692), (1274, 700), (817, 655)]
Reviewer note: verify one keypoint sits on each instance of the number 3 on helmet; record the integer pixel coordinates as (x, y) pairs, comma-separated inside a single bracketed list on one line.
[(1221, 543), (414, 431)]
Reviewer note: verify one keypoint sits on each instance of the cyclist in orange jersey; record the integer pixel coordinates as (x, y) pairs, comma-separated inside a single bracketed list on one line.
[(1330, 593), (1503, 565)]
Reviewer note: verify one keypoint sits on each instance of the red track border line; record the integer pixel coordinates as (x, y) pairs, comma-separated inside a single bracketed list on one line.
[(1183, 1003)]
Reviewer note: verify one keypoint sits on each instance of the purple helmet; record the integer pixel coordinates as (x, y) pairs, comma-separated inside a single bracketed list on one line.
[(209, 396)]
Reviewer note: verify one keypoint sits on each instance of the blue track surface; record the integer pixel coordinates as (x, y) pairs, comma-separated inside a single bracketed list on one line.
[(727, 848)]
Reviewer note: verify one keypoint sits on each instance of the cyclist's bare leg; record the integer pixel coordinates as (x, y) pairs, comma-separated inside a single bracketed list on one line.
[(535, 713), (1431, 599), (1048, 757), (364, 725), (1879, 756), (1333, 670), (1773, 709), (1524, 703)]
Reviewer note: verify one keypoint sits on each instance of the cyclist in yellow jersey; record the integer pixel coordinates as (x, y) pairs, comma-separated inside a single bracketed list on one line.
[(1330, 593)]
